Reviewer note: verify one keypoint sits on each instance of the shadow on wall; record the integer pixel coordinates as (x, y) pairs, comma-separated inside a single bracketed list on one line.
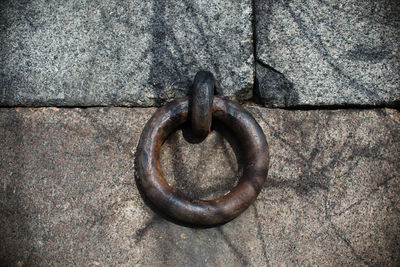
[(336, 53), (86, 54), (168, 56), (15, 216), (272, 88)]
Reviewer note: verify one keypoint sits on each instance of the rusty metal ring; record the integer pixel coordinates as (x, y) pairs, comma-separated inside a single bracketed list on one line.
[(201, 106), (193, 211)]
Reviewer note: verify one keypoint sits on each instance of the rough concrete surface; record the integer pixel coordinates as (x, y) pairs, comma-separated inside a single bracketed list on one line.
[(121, 53), (68, 193), (332, 52)]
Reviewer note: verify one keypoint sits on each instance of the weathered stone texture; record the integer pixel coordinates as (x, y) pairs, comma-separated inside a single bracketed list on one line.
[(332, 52), (121, 53), (68, 193)]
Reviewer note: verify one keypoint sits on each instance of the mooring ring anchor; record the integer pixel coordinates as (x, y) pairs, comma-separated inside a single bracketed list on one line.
[(252, 143)]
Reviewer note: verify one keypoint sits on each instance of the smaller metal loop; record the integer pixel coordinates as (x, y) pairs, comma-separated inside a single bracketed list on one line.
[(202, 102)]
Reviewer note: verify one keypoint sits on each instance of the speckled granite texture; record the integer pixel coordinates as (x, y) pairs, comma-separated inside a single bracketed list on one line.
[(144, 53), (68, 194), (121, 53), (332, 52)]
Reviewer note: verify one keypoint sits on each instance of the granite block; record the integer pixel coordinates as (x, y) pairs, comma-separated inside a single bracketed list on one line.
[(332, 52), (69, 195), (121, 53)]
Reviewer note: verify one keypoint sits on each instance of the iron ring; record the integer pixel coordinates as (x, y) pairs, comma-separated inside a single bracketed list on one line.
[(252, 143), (201, 106)]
